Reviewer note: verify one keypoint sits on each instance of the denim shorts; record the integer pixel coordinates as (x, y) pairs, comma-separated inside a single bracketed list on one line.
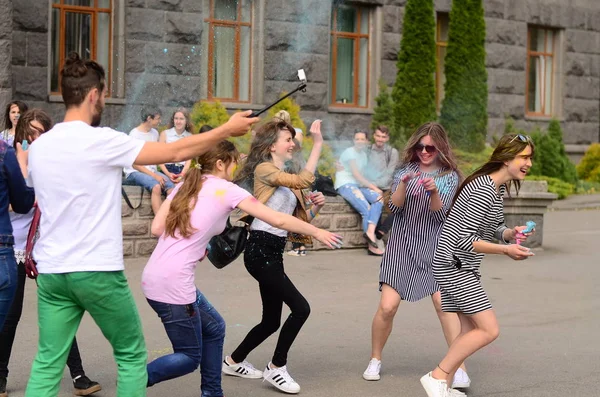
[(174, 168), (146, 181)]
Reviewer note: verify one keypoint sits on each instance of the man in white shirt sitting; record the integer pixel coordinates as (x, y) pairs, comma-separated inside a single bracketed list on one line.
[(148, 176)]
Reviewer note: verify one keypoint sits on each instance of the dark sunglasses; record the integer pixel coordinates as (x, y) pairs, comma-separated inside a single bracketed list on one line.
[(522, 138), (428, 148)]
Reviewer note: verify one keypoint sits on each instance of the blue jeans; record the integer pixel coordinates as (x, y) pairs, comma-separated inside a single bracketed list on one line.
[(197, 332), (364, 201), (146, 181), (8, 280)]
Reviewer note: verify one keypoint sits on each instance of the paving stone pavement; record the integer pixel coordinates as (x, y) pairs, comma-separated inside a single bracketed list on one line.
[(547, 308)]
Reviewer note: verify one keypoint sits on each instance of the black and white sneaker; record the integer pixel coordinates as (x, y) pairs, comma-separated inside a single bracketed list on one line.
[(281, 379), (243, 370)]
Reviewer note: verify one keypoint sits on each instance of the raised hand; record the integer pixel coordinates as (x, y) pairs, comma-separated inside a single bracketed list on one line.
[(239, 123), (315, 131)]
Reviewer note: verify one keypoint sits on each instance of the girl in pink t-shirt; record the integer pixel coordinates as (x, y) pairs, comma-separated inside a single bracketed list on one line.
[(185, 226)]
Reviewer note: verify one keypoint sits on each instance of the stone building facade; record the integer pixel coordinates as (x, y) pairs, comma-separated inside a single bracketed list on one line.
[(161, 52)]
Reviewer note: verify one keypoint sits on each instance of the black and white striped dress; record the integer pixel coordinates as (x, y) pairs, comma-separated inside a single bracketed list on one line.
[(478, 214), (406, 264)]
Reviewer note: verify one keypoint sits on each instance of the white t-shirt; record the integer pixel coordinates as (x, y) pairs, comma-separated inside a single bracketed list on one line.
[(284, 201), (172, 136), (150, 136), (75, 170)]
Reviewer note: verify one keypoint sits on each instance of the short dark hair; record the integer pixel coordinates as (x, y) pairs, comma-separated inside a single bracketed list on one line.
[(359, 131), (383, 129), (22, 109), (78, 78), (149, 111), (205, 128)]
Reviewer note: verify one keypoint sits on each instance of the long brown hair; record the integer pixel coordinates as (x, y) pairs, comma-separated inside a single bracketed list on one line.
[(25, 132), (260, 150), (441, 142), (189, 127), (508, 148), (179, 217), (22, 109)]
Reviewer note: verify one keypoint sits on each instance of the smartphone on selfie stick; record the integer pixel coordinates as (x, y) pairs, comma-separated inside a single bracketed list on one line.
[(301, 87)]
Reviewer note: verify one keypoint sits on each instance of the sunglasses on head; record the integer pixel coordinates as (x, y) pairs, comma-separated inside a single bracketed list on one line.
[(428, 148), (522, 138)]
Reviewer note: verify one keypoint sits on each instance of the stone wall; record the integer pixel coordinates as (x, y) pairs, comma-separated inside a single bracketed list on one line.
[(506, 47), (6, 42), (338, 217), (165, 58)]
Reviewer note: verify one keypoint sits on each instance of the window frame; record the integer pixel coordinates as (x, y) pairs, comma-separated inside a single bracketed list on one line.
[(212, 23), (553, 55), (94, 11), (439, 44), (356, 37)]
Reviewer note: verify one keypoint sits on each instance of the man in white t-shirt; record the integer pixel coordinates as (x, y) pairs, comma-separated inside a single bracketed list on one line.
[(80, 250), (148, 176)]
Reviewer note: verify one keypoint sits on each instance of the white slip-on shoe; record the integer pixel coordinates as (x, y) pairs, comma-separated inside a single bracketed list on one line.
[(372, 371), (434, 387), (461, 380)]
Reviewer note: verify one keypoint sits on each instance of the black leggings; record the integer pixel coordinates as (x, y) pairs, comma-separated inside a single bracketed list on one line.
[(263, 258), (7, 336)]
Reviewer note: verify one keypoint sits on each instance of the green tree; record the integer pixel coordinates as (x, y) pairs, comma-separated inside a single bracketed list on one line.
[(464, 108), (211, 113), (414, 91), (384, 110)]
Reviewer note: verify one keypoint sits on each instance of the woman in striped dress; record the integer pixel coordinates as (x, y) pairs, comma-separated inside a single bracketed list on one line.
[(475, 219), (422, 192)]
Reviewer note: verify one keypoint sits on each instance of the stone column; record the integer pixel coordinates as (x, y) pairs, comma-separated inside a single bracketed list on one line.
[(6, 33)]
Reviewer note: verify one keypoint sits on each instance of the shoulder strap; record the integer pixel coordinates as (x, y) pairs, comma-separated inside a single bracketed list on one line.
[(124, 194), (32, 231)]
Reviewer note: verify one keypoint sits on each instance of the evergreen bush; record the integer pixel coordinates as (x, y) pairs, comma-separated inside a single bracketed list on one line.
[(464, 108), (414, 91)]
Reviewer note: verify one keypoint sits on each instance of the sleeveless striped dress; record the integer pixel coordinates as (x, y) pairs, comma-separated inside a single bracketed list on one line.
[(406, 263), (478, 214)]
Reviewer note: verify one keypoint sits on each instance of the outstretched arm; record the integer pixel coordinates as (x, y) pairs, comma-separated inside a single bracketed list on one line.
[(252, 206)]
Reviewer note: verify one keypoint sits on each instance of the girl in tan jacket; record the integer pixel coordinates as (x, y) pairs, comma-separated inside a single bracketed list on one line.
[(263, 171)]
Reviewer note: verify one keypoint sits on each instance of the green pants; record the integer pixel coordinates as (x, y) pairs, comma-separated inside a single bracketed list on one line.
[(62, 300)]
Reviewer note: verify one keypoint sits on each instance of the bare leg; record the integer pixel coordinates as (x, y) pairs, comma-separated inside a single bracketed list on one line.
[(383, 320), (483, 332), (371, 234), (450, 322)]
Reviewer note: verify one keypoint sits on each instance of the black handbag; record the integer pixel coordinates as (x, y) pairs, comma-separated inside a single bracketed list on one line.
[(227, 246), (324, 184)]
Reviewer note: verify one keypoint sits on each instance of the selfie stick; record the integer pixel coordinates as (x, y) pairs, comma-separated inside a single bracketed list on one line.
[(301, 87)]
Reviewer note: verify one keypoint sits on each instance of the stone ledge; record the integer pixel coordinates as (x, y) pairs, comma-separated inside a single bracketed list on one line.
[(338, 217)]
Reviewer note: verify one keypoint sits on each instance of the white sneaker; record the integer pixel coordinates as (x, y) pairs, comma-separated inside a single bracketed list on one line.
[(372, 371), (294, 252), (461, 379), (243, 370), (456, 393), (434, 387), (281, 379)]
